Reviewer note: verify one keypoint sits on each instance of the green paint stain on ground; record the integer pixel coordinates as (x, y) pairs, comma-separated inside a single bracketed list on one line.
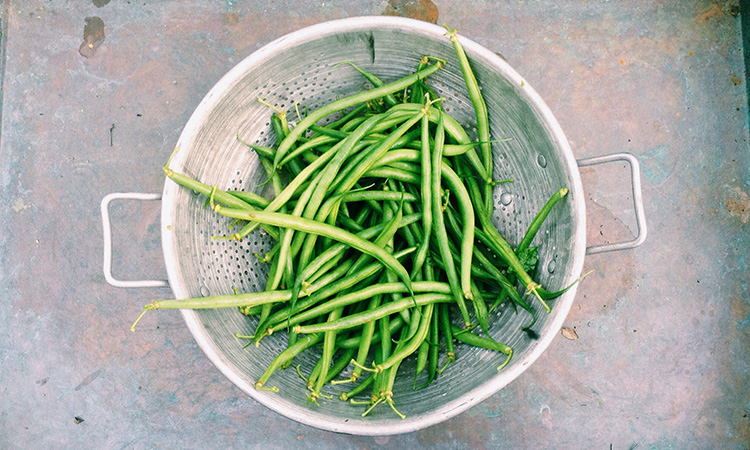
[(655, 164)]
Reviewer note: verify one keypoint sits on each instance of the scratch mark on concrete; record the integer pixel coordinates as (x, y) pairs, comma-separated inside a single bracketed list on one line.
[(88, 380)]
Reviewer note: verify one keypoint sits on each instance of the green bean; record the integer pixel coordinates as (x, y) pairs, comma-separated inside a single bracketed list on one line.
[(433, 94), (345, 118), (251, 198), (324, 288), (376, 82), (457, 187), (500, 246), (495, 273), (377, 152), (385, 340), (282, 265), (397, 155), (218, 301), (422, 356), (281, 129), (357, 159), (445, 327), (353, 342), (412, 232), (347, 396), (384, 235), (346, 102), (524, 244), (377, 313), (507, 288), (313, 377), (261, 150), (406, 339), (326, 177), (349, 224), (434, 350), (489, 344), (480, 111), (288, 234), (342, 278), (321, 229), (341, 363), (341, 128), (448, 149), (382, 240), (329, 341), (405, 166), (330, 132), (286, 194), (536, 223), (426, 199), (480, 309), (301, 345), (467, 237), (441, 235), (359, 196), (394, 174), (220, 196), (454, 130), (318, 143), (416, 89), (368, 330), (414, 341), (388, 391), (364, 294)]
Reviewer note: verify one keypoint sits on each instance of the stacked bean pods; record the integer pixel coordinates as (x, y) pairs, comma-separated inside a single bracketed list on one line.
[(383, 231)]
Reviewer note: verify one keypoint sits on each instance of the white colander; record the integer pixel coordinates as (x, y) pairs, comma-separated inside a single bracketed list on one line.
[(299, 68)]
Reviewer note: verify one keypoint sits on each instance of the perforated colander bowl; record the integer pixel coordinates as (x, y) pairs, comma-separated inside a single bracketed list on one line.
[(299, 68)]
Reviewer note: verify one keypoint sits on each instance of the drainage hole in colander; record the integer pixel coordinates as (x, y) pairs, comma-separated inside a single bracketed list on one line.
[(506, 198)]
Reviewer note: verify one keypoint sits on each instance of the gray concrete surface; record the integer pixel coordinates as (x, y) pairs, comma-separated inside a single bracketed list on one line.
[(93, 106)]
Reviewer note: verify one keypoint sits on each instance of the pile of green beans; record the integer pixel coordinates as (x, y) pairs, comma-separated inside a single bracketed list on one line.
[(383, 232)]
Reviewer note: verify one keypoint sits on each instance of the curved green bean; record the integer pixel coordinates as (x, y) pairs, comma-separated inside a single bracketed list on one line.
[(321, 229), (377, 313)]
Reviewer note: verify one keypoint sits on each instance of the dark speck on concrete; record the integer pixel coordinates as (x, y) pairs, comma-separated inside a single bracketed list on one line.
[(93, 36), (100, 3), (78, 419)]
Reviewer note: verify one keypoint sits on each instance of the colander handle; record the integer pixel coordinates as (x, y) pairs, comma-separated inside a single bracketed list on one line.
[(107, 229), (640, 215)]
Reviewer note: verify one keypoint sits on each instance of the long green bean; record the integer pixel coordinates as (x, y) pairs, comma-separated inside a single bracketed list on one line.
[(346, 102), (377, 313)]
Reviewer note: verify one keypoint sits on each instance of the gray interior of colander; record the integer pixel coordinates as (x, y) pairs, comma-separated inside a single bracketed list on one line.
[(300, 70)]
